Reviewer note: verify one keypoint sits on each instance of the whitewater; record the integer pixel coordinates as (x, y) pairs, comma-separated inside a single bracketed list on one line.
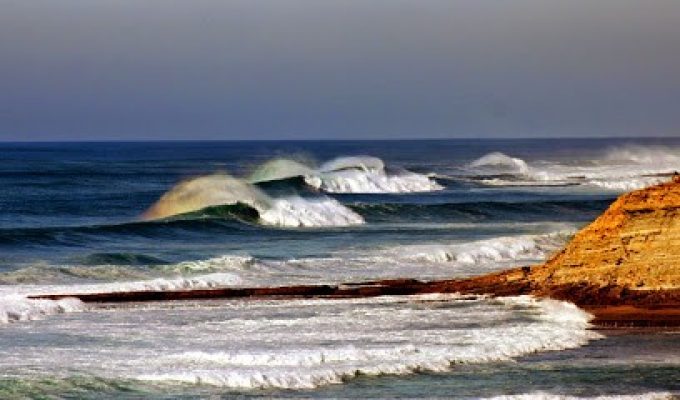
[(339, 340)]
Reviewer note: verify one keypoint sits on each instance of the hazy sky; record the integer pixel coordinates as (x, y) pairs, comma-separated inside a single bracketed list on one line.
[(258, 69)]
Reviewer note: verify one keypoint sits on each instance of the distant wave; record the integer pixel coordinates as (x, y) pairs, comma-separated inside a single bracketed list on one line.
[(659, 156), (498, 162), (352, 174), (618, 169)]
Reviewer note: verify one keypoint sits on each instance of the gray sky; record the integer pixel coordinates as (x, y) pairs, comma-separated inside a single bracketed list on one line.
[(279, 69)]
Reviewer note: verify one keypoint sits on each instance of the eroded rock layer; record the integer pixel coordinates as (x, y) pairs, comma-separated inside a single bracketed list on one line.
[(635, 244)]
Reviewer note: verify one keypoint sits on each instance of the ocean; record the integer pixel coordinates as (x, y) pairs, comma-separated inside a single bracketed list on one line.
[(121, 216)]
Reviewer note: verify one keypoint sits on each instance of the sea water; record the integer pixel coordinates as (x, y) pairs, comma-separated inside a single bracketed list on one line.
[(112, 217)]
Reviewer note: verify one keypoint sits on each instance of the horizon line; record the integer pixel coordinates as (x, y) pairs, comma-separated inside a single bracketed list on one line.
[(150, 140)]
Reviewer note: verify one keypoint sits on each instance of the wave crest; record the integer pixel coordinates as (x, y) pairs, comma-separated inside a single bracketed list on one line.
[(352, 174), (279, 169), (501, 249), (206, 191), (364, 163), (500, 163), (619, 169), (223, 190)]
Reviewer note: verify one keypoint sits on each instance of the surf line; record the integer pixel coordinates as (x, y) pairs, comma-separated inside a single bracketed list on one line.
[(611, 306), (347, 290)]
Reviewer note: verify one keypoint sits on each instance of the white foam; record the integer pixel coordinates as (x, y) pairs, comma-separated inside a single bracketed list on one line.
[(426, 261), (222, 189), (221, 263), (295, 344), (352, 174), (19, 308), (317, 212), (618, 169), (372, 181), (387, 335), (363, 174), (207, 281), (628, 184), (500, 249)]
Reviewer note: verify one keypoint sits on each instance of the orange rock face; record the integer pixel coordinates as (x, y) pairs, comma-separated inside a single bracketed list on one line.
[(635, 244)]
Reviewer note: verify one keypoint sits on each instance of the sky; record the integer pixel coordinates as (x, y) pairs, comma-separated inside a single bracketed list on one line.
[(338, 69)]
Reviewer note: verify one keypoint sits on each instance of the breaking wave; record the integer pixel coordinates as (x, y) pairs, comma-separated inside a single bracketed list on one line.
[(498, 162), (301, 212), (502, 249), (354, 174), (251, 204), (205, 281), (206, 191), (15, 308), (619, 169)]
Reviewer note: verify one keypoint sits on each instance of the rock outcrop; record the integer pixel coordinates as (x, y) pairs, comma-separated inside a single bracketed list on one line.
[(634, 245), (624, 267)]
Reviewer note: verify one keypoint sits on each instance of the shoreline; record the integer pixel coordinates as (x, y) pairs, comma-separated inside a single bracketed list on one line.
[(612, 307)]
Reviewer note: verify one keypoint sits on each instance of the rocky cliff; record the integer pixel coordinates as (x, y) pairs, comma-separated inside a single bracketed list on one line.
[(624, 267), (634, 245)]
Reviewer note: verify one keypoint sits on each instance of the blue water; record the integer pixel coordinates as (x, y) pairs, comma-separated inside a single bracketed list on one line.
[(63, 200), (72, 214)]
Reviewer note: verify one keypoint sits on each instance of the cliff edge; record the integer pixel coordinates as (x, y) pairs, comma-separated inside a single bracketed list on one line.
[(634, 244), (624, 267)]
